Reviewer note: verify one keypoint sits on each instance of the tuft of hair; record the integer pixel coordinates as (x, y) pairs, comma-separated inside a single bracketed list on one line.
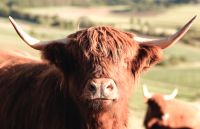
[(104, 41)]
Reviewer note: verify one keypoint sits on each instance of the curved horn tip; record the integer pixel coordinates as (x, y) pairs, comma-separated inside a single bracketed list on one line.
[(189, 23), (13, 22), (146, 92), (179, 34), (169, 41), (10, 17), (175, 91), (172, 95), (194, 17), (32, 42)]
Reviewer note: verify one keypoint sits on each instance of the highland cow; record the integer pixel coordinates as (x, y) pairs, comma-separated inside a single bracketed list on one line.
[(165, 112), (83, 81)]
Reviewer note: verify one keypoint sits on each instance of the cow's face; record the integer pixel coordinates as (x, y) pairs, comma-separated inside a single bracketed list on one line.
[(106, 84), (156, 107), (102, 65)]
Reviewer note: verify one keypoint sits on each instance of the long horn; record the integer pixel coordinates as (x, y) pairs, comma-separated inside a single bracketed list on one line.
[(146, 92), (172, 95), (32, 42), (166, 42)]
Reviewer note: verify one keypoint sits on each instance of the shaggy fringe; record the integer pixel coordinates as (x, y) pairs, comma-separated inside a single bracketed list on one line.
[(98, 42)]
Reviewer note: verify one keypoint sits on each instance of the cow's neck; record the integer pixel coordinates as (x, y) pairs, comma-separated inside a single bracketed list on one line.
[(108, 120)]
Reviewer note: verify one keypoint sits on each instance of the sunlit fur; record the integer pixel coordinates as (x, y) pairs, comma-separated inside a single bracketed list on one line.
[(48, 94)]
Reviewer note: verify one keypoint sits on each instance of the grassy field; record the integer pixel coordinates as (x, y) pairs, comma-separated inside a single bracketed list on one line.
[(174, 17), (185, 76), (101, 15)]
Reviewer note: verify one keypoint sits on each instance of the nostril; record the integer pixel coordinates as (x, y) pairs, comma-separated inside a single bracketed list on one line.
[(110, 87), (92, 88)]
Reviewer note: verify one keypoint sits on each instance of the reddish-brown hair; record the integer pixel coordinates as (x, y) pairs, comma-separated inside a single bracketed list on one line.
[(47, 94)]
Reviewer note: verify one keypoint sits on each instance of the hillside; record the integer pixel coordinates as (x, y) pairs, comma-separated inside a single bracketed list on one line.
[(150, 3)]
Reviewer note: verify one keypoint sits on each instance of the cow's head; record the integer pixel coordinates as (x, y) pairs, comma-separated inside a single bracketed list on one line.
[(157, 110), (101, 64)]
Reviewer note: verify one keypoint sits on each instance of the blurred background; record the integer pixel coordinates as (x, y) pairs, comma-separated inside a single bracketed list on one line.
[(50, 19)]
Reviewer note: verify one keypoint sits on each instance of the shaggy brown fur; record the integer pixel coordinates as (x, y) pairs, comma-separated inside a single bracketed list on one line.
[(49, 95), (181, 114), (14, 57)]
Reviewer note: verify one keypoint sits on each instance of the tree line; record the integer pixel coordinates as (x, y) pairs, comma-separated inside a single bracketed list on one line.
[(35, 3)]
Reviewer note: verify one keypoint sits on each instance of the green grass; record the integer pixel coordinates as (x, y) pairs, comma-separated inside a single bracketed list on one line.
[(181, 77), (185, 79), (99, 14), (190, 53), (173, 17)]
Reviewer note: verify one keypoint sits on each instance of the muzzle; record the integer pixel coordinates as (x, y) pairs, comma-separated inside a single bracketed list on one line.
[(101, 89)]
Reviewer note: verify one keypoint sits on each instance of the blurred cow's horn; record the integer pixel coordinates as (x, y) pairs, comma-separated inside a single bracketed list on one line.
[(172, 95), (166, 42), (146, 92), (34, 43)]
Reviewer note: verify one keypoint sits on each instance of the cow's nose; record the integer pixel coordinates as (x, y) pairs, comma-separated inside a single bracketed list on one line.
[(92, 87), (102, 88), (108, 88)]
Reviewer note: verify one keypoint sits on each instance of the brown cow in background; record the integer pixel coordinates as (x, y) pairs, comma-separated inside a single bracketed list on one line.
[(165, 112), (84, 80)]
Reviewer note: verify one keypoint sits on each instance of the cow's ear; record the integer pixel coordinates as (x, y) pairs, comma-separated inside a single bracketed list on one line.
[(147, 56), (57, 54), (53, 53)]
